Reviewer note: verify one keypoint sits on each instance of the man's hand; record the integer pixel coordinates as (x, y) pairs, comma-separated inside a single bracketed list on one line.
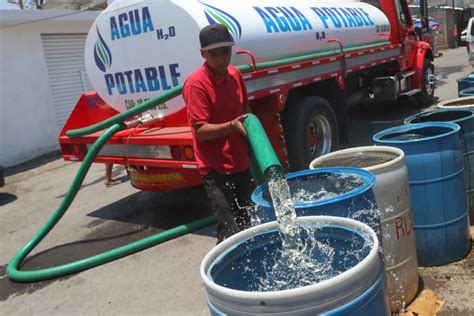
[(210, 131), (237, 125)]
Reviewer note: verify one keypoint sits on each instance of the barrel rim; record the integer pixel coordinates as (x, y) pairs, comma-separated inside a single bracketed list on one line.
[(230, 242), (455, 128), (375, 148), (442, 104), (427, 114), (367, 176)]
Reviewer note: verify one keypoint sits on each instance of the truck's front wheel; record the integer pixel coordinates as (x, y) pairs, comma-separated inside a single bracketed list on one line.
[(426, 95), (310, 130)]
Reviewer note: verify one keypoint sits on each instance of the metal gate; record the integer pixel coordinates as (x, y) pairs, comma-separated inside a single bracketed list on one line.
[(64, 55)]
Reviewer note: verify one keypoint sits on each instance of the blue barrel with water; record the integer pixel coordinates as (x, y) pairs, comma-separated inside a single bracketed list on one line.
[(465, 119), (236, 272), (357, 202), (435, 175)]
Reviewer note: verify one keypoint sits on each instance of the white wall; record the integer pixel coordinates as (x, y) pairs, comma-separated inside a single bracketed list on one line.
[(28, 123)]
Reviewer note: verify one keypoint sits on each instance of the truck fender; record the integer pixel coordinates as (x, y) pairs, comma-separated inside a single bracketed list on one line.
[(423, 51)]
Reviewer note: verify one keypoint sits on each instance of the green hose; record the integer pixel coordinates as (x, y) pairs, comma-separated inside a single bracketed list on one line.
[(262, 156), (301, 58), (43, 274), (265, 160)]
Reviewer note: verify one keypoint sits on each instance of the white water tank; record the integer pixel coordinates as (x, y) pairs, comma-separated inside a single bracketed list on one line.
[(137, 49), (392, 196)]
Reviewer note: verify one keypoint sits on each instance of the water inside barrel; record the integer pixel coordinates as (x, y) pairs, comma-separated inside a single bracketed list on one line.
[(260, 263), (442, 116), (321, 186), (361, 159), (416, 133)]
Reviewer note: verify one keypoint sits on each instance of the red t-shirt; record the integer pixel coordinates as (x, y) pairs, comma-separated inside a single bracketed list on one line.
[(213, 99)]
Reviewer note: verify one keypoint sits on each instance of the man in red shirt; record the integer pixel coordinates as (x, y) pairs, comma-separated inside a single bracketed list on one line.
[(216, 101)]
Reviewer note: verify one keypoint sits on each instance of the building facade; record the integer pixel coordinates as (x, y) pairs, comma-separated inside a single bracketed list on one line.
[(42, 75)]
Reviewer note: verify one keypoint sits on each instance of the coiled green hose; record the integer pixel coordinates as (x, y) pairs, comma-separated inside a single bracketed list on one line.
[(15, 274)]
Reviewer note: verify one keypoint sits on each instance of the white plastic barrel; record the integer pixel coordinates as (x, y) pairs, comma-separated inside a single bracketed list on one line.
[(457, 103), (391, 192), (230, 267), (136, 49)]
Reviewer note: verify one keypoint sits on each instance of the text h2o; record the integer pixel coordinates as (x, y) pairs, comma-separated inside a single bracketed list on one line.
[(160, 34)]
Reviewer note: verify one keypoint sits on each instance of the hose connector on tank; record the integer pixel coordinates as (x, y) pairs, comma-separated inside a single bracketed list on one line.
[(145, 119), (265, 163)]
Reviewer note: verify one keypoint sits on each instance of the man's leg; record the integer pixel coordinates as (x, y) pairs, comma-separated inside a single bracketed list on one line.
[(242, 204), (215, 186)]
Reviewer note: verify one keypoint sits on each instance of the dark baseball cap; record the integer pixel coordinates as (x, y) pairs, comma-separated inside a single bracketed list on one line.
[(214, 36)]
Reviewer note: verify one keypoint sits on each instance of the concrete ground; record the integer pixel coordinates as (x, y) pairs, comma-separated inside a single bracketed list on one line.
[(162, 280)]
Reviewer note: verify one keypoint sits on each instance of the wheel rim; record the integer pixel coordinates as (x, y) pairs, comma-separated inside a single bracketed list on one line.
[(319, 136), (428, 81)]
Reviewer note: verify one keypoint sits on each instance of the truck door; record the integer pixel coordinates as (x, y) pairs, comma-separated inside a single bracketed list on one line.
[(406, 33)]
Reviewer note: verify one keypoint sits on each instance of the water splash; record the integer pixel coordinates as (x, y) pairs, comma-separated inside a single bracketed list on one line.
[(295, 268), (285, 214), (302, 259)]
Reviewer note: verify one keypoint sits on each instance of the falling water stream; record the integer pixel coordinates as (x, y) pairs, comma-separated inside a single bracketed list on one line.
[(301, 261)]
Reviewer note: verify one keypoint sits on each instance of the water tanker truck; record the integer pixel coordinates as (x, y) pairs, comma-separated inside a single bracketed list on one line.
[(304, 64)]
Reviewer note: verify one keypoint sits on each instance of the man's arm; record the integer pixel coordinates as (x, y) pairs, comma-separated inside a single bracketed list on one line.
[(208, 131)]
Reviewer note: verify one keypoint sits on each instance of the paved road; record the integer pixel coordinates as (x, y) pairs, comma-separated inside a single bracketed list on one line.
[(164, 279)]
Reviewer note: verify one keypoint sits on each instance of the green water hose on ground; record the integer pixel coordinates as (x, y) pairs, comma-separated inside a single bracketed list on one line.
[(265, 159), (15, 274), (115, 125)]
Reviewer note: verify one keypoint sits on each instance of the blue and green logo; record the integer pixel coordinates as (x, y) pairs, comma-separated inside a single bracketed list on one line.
[(102, 55), (215, 15)]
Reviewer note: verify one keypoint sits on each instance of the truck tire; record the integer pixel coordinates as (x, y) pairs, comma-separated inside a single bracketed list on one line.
[(426, 95), (310, 131)]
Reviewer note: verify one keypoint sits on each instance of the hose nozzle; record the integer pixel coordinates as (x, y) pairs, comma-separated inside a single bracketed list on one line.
[(145, 119), (263, 157)]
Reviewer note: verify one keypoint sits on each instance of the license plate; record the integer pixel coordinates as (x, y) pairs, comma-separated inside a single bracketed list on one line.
[(137, 151)]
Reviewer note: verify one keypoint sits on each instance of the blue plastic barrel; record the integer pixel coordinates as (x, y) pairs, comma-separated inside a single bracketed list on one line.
[(465, 119), (355, 203), (435, 173), (468, 92), (233, 272), (465, 82)]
